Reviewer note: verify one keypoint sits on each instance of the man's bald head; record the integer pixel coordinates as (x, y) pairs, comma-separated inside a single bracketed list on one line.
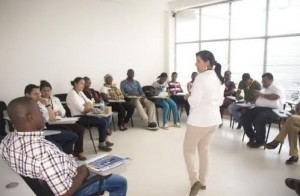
[(130, 74), (25, 114)]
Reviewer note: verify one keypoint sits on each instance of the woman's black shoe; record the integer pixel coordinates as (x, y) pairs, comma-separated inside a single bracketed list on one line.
[(292, 160)]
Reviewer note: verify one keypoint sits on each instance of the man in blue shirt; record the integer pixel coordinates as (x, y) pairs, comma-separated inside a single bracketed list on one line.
[(132, 90)]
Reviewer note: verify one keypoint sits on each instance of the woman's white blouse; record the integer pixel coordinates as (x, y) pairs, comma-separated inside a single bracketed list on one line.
[(76, 101), (205, 100)]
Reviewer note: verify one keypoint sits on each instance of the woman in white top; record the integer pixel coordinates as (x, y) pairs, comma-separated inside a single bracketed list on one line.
[(80, 105), (205, 98), (166, 103), (59, 111)]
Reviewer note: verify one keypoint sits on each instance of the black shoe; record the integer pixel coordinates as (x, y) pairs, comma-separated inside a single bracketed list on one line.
[(251, 142), (293, 184), (152, 126), (104, 148), (292, 160), (272, 145), (255, 145), (239, 126), (108, 143), (121, 128)]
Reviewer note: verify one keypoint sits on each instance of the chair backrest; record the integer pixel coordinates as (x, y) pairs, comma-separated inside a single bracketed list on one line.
[(63, 97), (3, 107), (39, 187)]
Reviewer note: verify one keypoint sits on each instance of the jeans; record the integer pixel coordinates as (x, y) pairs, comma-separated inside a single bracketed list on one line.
[(166, 104), (258, 117), (179, 100), (101, 124), (64, 141), (116, 186), (232, 108)]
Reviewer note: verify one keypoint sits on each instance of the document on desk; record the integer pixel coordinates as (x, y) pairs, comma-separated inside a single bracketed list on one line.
[(116, 101), (66, 120), (282, 113), (100, 115), (246, 105), (105, 163)]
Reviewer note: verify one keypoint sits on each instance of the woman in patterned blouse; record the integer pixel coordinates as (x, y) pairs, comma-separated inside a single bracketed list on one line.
[(125, 110)]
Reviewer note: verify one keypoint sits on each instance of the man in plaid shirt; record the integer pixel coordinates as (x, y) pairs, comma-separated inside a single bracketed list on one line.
[(29, 154)]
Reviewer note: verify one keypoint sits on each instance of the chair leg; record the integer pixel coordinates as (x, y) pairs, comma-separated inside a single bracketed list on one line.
[(91, 136), (131, 122), (266, 140), (113, 123), (243, 136), (157, 117)]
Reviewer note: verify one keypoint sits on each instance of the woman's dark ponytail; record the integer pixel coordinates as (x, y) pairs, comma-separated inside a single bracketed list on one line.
[(208, 56), (218, 69)]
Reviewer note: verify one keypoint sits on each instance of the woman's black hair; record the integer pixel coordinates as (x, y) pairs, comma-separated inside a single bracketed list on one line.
[(174, 73), (44, 83), (163, 75), (86, 78), (76, 80), (208, 56)]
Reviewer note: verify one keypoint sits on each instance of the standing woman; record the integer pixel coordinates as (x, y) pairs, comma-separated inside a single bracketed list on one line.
[(205, 98)]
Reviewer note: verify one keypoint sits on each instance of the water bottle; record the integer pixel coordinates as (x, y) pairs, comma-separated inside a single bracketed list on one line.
[(101, 105)]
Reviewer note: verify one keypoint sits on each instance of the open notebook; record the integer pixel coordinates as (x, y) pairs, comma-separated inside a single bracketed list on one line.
[(105, 164)]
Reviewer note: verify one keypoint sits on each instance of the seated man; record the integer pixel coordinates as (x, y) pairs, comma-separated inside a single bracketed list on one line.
[(29, 154), (131, 87), (249, 86), (291, 128), (66, 139), (270, 97)]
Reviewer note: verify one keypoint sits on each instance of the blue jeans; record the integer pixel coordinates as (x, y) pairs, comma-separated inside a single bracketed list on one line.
[(166, 104), (116, 186), (101, 123), (257, 117), (64, 141), (232, 108)]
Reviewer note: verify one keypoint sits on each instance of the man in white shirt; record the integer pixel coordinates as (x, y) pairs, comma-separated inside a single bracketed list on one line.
[(270, 97)]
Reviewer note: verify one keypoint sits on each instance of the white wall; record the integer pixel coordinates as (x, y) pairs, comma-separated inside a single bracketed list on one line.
[(58, 40)]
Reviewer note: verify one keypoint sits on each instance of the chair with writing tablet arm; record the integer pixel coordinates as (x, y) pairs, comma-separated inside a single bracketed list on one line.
[(40, 187)]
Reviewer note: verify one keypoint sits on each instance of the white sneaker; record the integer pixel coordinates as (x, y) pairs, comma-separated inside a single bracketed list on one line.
[(178, 125), (165, 126)]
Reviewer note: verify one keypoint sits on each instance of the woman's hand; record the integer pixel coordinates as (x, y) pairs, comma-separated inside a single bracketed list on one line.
[(186, 96)]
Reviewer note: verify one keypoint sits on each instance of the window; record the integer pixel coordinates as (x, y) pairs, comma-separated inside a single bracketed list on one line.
[(248, 18), (218, 16), (253, 36), (187, 26), (185, 61)]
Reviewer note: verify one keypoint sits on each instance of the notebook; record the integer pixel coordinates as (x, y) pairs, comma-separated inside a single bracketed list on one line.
[(105, 163)]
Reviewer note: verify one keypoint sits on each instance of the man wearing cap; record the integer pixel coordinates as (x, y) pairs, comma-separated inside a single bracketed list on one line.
[(249, 86)]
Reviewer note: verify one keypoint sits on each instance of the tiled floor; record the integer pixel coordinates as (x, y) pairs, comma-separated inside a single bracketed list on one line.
[(157, 167)]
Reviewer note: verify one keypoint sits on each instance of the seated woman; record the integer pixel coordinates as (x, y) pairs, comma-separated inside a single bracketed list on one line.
[(291, 128), (175, 88), (229, 91), (125, 110), (95, 97), (166, 103), (80, 105), (90, 92), (190, 83), (59, 111)]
